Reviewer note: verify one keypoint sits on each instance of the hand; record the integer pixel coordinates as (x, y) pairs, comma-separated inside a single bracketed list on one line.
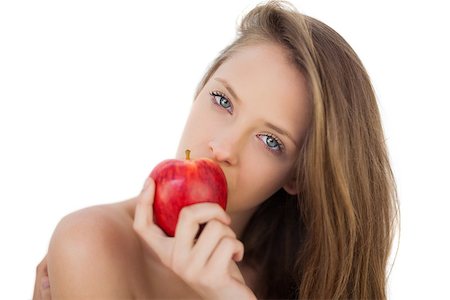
[(42, 283), (207, 264)]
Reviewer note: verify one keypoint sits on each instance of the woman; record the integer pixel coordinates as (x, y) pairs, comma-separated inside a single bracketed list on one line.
[(288, 111)]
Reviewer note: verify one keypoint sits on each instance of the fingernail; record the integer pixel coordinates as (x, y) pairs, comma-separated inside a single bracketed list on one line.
[(45, 283)]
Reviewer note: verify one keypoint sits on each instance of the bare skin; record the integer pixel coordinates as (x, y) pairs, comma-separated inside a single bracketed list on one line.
[(161, 282), (115, 251)]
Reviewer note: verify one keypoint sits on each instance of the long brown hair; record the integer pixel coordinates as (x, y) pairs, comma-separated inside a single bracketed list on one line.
[(333, 239)]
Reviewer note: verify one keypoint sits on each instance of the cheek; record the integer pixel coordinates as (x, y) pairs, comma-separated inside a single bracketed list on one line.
[(259, 177), (263, 169)]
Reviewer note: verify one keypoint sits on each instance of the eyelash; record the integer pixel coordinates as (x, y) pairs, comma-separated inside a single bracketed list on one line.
[(220, 94), (215, 94)]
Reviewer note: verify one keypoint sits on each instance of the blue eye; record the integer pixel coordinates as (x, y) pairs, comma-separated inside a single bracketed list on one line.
[(272, 143), (220, 99)]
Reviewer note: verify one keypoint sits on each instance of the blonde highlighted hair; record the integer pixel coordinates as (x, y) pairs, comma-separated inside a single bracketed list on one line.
[(333, 239)]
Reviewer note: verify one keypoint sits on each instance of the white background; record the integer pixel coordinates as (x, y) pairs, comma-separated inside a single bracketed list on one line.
[(94, 93)]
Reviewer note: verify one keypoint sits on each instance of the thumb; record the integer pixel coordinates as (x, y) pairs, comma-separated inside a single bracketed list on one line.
[(147, 183), (45, 289), (143, 215)]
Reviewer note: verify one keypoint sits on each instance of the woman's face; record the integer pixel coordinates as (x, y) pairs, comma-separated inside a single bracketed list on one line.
[(250, 118)]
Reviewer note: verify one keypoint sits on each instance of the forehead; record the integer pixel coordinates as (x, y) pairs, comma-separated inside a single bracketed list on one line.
[(263, 78)]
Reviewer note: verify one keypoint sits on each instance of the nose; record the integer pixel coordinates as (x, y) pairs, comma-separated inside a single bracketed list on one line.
[(223, 152)]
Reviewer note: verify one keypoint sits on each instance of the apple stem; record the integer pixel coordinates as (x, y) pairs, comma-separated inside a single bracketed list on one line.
[(188, 154)]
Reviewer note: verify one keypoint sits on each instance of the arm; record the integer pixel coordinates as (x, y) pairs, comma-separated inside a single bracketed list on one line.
[(86, 259)]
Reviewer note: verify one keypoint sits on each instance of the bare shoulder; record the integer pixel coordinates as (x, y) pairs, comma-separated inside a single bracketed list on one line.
[(95, 252), (104, 223)]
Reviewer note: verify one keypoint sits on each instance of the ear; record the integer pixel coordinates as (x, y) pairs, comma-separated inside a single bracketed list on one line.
[(291, 187)]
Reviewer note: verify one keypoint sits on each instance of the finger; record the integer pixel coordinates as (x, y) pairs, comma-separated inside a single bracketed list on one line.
[(154, 238), (41, 270), (208, 241), (143, 215), (235, 273), (45, 288), (143, 222), (227, 249), (189, 219)]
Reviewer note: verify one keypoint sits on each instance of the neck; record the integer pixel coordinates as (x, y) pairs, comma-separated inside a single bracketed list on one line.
[(239, 220)]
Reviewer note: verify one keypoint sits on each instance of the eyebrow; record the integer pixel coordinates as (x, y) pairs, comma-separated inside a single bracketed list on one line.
[(281, 131), (270, 125), (229, 88)]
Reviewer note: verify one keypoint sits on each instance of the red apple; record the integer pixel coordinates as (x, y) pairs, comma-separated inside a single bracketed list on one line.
[(180, 183)]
